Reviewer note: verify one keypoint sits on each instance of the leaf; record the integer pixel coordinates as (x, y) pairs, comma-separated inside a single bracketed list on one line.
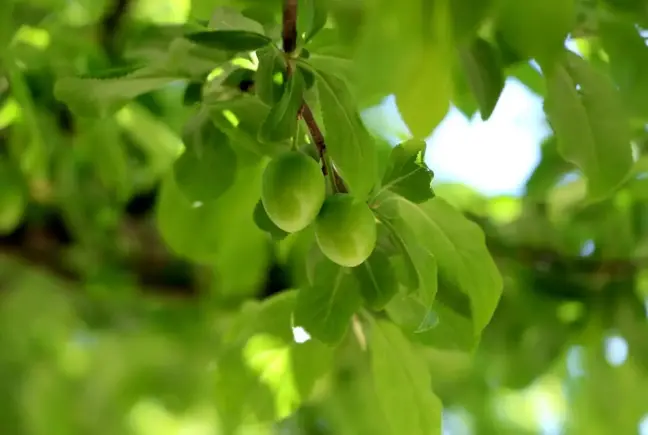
[(241, 118), (263, 221), (227, 18), (312, 17), (467, 16), (95, 97), (325, 308), (281, 123), (419, 263), (536, 29), (438, 231), (423, 97), (101, 141), (590, 124), (266, 371), (379, 55), (439, 327), (377, 280), (348, 142), (628, 55), (207, 167), (13, 198), (229, 40), (484, 72), (219, 232), (403, 384), (270, 64), (407, 174), (530, 77)]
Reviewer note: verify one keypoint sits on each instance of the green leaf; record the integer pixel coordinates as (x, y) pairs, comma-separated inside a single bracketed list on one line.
[(439, 327), (101, 141), (281, 123), (266, 371), (403, 384), (95, 97), (13, 198), (348, 142), (530, 77), (207, 167), (324, 309), (628, 55), (423, 96), (377, 280), (312, 17), (590, 124), (536, 28), (229, 40), (270, 64), (263, 221), (219, 232), (227, 18), (407, 174), (440, 232), (467, 16), (241, 119), (484, 72)]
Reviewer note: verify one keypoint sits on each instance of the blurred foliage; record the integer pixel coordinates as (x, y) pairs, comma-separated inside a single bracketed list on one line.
[(144, 289)]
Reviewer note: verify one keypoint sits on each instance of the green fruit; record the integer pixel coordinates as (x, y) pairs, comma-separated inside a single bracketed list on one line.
[(292, 191), (345, 230)]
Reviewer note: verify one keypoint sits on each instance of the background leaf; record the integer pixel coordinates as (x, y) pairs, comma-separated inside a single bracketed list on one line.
[(590, 124)]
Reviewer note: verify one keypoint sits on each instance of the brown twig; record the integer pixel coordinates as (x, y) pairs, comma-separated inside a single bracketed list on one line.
[(289, 44), (289, 33)]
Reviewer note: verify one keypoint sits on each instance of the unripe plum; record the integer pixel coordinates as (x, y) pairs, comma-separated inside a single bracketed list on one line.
[(292, 191), (345, 230)]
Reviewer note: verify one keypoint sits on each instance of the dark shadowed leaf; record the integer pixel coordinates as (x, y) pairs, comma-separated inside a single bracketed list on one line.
[(376, 280), (281, 123), (484, 72), (265, 82), (263, 221), (325, 308), (229, 40)]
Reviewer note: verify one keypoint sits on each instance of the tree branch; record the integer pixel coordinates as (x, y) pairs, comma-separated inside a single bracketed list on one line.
[(289, 45), (289, 33)]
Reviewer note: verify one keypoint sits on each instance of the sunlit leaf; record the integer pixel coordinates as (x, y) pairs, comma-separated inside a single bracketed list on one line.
[(407, 174), (347, 140), (402, 383)]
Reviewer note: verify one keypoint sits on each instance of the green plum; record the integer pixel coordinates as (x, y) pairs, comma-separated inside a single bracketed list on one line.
[(292, 191), (345, 230)]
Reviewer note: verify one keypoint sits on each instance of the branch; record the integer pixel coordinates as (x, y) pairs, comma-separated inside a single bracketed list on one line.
[(289, 33), (289, 45)]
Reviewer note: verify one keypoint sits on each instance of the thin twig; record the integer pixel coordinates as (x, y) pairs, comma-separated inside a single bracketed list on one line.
[(289, 33), (289, 43)]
